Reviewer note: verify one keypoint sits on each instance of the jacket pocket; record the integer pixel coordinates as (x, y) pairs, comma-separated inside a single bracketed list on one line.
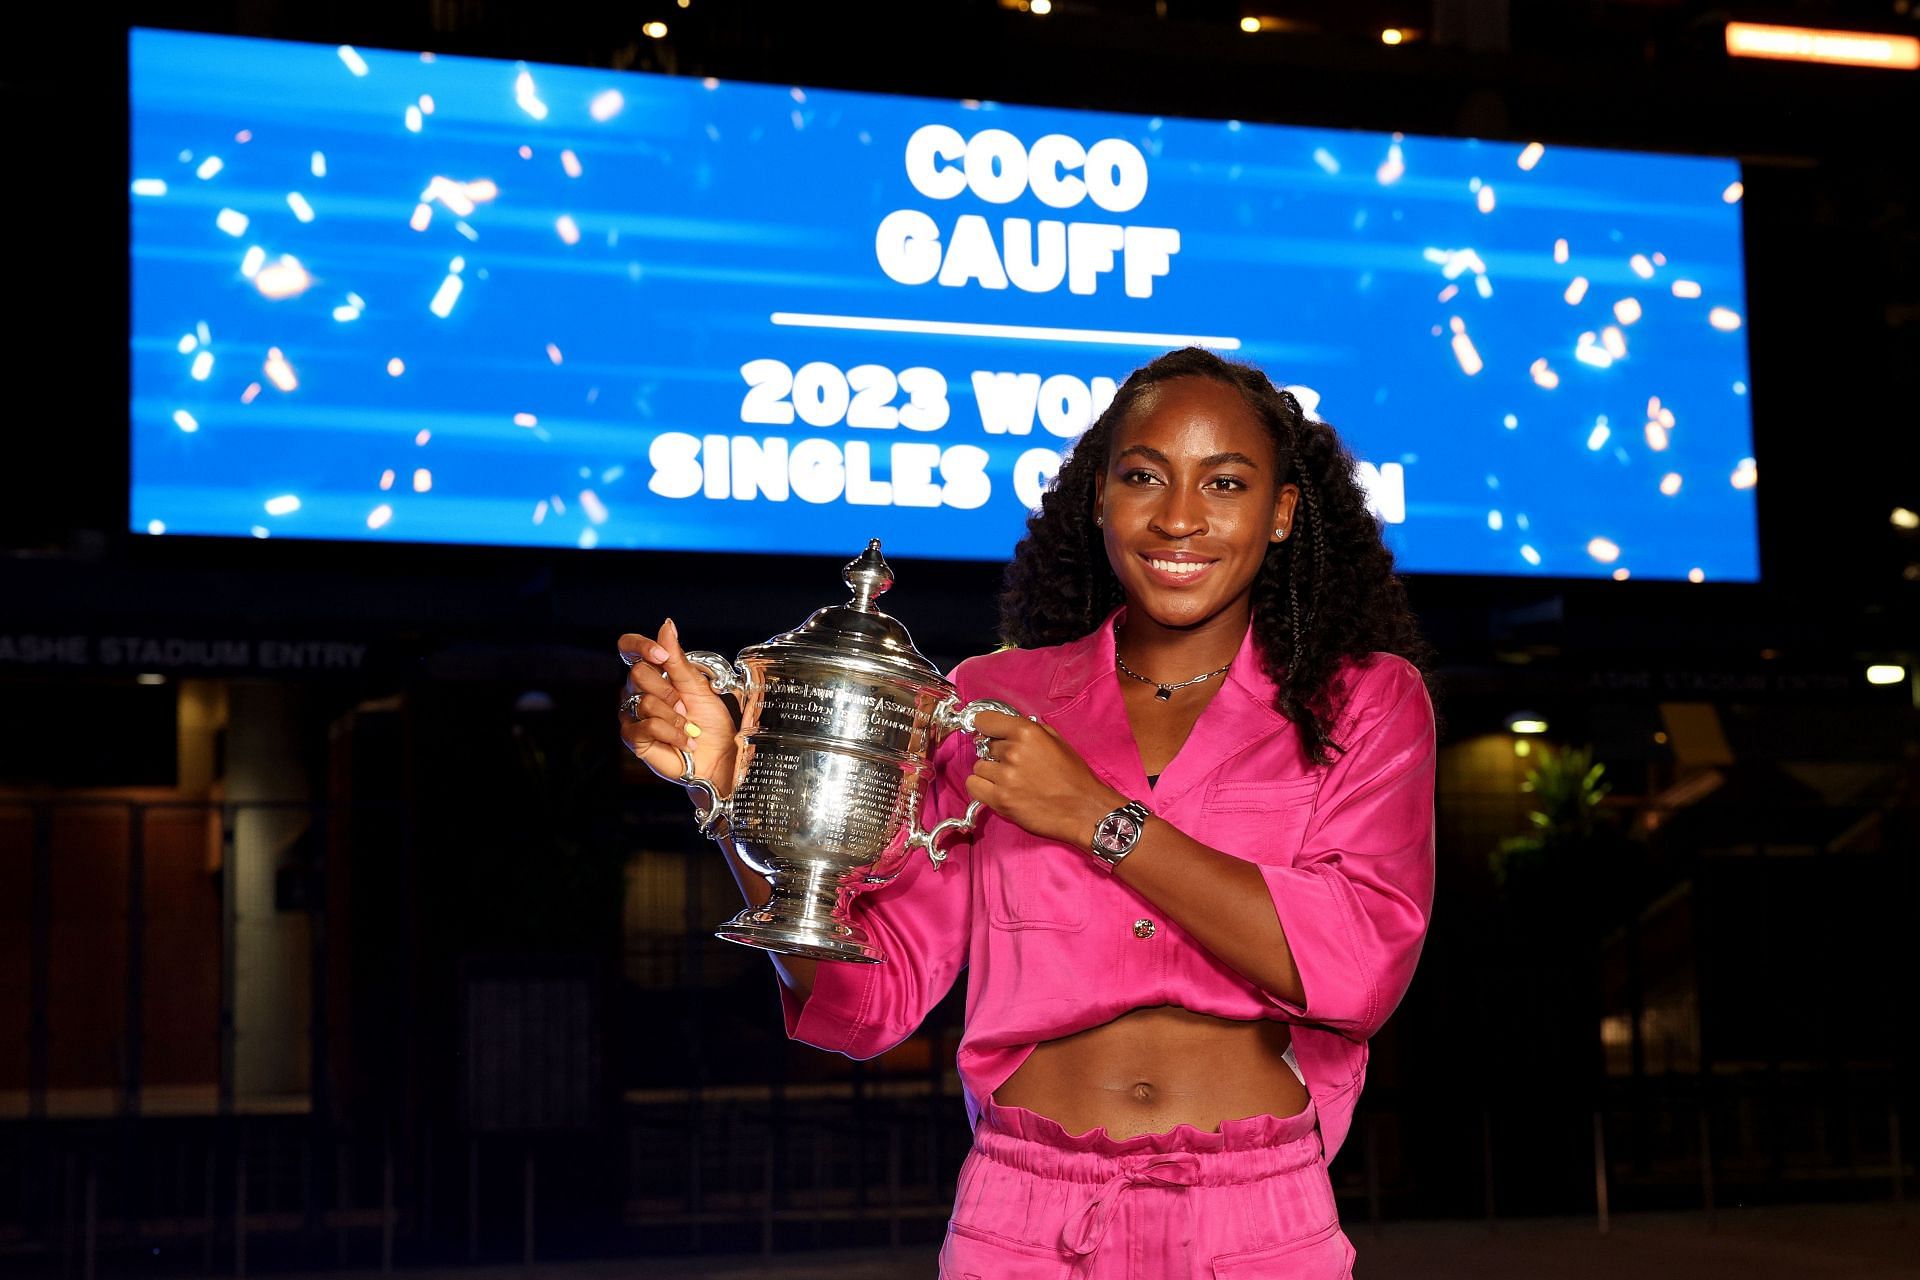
[(1324, 1255), (1034, 883), (1260, 821)]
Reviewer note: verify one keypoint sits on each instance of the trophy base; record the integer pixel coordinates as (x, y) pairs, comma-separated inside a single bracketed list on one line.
[(807, 915), (753, 928)]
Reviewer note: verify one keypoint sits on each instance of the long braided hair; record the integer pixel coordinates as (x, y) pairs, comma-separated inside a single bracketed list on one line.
[(1325, 593)]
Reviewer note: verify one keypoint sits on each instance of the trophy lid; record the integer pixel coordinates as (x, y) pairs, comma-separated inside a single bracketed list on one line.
[(856, 629)]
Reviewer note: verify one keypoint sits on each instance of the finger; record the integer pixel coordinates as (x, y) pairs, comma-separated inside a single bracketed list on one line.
[(653, 706), (685, 677), (997, 724), (980, 789), (643, 671), (661, 757), (991, 772), (635, 648), (643, 734), (657, 706)]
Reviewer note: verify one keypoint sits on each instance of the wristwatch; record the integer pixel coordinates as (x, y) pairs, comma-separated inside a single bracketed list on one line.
[(1118, 832)]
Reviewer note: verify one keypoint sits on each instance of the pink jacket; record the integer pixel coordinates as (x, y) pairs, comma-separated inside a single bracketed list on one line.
[(1347, 852)]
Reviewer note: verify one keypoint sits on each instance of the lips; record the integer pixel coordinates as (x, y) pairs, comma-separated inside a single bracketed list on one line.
[(1177, 567)]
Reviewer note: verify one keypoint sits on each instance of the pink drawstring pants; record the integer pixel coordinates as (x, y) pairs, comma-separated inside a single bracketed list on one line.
[(1035, 1202)]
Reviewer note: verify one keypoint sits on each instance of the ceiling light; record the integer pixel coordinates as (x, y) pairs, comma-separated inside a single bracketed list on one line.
[(1886, 673), (1250, 25), (1041, 7), (1904, 519), (1392, 35), (657, 30), (1809, 44), (1525, 722)]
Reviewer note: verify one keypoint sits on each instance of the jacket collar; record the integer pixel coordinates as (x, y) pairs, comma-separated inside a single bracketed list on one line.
[(1240, 714)]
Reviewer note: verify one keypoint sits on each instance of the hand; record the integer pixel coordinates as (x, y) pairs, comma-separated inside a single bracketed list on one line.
[(678, 711), (1030, 776)]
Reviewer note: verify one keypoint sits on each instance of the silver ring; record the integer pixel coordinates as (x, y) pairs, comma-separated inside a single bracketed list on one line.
[(982, 747), (630, 708)]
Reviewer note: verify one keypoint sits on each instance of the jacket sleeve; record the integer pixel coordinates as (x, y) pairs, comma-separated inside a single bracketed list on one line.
[(921, 920), (1355, 904)]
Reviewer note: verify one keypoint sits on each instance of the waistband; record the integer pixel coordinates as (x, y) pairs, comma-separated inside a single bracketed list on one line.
[(1242, 1150)]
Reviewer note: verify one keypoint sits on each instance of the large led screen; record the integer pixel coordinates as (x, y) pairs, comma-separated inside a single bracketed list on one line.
[(399, 297)]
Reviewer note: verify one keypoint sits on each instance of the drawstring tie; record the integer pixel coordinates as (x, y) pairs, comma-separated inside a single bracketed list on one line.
[(1087, 1225)]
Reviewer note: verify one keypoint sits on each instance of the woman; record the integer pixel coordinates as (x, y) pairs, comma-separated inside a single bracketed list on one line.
[(1208, 865)]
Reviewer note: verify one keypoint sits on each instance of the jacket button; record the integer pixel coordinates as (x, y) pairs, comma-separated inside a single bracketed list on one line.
[(1143, 928)]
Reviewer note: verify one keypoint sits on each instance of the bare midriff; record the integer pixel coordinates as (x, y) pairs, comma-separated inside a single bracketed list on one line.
[(1153, 1068)]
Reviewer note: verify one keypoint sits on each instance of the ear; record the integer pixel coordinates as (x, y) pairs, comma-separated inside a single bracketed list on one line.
[(1283, 507)]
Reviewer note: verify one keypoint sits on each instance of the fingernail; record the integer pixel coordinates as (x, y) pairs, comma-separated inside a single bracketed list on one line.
[(693, 730), (670, 628), (657, 654), (679, 708)]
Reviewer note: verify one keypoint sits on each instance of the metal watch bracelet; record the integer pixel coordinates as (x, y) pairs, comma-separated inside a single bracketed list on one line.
[(1123, 827)]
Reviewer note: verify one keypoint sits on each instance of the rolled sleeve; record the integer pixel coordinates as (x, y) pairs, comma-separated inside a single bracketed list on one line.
[(1355, 904)]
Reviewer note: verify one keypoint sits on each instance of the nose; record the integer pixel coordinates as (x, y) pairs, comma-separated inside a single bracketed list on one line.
[(1180, 514)]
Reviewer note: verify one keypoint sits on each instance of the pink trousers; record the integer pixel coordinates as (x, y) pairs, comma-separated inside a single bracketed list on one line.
[(1035, 1202)]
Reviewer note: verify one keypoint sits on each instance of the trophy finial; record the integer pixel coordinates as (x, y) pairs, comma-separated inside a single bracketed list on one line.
[(868, 577)]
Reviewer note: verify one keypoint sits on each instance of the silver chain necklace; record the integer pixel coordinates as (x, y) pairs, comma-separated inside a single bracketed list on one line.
[(1164, 692)]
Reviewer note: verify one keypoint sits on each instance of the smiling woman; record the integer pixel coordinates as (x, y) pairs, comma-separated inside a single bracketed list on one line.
[(1205, 872)]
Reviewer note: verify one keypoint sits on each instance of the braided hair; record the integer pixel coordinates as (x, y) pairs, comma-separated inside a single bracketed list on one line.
[(1324, 594)]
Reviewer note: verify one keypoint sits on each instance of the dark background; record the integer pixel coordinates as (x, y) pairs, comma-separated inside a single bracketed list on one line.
[(495, 927)]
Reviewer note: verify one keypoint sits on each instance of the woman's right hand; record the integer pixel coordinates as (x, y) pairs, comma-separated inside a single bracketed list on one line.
[(678, 711)]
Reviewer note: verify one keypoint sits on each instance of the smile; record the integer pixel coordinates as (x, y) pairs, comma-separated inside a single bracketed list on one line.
[(1178, 570)]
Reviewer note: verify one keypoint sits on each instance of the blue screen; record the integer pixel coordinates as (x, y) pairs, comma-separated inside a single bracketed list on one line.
[(399, 297)]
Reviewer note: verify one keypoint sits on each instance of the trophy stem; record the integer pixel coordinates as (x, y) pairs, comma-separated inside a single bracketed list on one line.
[(805, 917)]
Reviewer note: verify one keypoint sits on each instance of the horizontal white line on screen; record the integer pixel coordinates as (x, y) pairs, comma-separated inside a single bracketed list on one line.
[(1033, 333)]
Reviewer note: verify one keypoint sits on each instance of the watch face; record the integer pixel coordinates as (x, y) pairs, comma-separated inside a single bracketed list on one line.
[(1117, 832)]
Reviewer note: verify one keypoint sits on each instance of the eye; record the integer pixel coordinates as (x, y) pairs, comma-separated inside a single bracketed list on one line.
[(1230, 483), (1138, 475)]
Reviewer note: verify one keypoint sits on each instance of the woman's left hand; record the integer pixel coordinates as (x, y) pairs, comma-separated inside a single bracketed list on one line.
[(1030, 776)]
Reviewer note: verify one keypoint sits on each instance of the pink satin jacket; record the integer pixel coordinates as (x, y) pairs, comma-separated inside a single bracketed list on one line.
[(1347, 852)]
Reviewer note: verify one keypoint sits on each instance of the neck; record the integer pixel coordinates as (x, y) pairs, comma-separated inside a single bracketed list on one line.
[(1176, 653)]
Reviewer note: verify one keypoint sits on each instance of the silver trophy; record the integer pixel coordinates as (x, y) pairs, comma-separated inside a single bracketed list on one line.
[(838, 718)]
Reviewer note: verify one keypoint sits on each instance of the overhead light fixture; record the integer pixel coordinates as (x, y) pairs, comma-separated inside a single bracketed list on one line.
[(1392, 35), (1886, 673), (655, 30), (1250, 25), (1525, 722), (1814, 44), (1904, 519), (1041, 7), (149, 677)]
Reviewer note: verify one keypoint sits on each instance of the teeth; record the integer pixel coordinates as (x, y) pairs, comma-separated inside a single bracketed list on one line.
[(1180, 566)]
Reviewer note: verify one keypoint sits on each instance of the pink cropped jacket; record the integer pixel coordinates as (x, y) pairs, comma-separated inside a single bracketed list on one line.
[(1049, 935)]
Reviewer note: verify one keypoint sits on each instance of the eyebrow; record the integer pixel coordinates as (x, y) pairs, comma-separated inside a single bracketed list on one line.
[(1211, 460)]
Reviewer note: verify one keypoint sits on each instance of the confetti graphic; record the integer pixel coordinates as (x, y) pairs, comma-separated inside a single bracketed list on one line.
[(459, 300)]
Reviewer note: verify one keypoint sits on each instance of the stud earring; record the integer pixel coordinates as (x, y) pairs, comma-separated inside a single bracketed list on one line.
[(1098, 520), (1279, 535)]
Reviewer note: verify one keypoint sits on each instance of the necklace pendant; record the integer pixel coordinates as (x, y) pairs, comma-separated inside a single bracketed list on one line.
[(1163, 692)]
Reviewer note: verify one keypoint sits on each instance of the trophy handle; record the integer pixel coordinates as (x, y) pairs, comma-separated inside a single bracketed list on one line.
[(723, 675), (947, 717), (715, 821)]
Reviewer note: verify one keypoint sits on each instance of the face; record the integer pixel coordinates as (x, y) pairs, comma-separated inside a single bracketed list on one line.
[(1190, 502)]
